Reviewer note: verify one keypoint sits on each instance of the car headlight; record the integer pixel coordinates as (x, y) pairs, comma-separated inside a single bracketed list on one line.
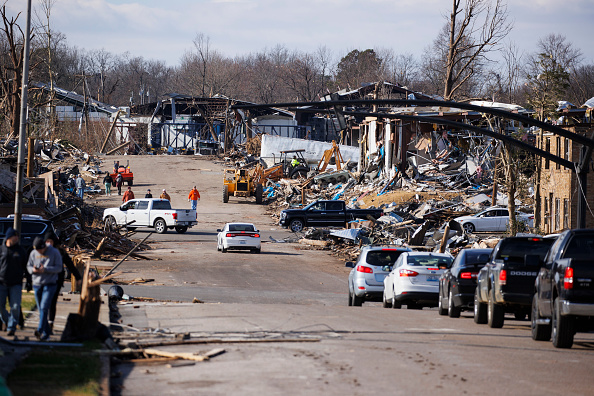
[(283, 215)]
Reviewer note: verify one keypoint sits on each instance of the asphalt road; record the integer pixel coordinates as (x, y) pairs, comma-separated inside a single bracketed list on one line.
[(295, 300)]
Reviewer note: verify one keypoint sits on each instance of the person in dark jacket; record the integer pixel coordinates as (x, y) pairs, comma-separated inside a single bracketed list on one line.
[(52, 239), (107, 181), (148, 194), (13, 264), (119, 182)]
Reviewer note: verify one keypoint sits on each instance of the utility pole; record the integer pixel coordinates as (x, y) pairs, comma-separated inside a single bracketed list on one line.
[(18, 196)]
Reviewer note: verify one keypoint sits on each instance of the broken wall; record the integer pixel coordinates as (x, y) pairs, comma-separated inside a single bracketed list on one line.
[(314, 150)]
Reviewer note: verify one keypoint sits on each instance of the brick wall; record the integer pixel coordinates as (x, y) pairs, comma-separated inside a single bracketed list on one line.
[(559, 185)]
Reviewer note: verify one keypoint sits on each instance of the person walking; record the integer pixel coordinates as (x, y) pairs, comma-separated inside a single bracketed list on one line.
[(13, 264), (107, 180), (194, 197), (128, 195), (148, 194), (52, 239), (80, 186), (164, 195), (119, 183), (45, 263)]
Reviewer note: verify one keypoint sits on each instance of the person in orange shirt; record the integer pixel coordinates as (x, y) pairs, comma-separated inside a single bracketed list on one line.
[(194, 197), (128, 195)]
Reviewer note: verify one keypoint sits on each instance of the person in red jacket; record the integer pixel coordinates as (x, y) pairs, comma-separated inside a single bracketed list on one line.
[(194, 197), (128, 195)]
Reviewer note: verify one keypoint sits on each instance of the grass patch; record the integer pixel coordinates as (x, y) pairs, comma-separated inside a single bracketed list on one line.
[(27, 302), (58, 371)]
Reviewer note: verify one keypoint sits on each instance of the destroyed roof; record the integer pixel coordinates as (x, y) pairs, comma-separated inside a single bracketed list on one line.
[(368, 88), (215, 106), (75, 99)]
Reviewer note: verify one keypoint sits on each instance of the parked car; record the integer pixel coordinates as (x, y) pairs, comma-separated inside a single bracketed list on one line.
[(457, 284), (493, 219), (238, 236), (366, 279), (506, 282), (150, 212), (324, 214), (414, 280), (563, 301), (31, 226)]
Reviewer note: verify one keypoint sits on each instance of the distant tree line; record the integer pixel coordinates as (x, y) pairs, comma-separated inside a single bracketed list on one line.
[(461, 64)]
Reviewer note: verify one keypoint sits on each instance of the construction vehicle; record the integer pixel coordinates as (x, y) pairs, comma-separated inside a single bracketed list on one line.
[(240, 183), (331, 156), (287, 167), (125, 171)]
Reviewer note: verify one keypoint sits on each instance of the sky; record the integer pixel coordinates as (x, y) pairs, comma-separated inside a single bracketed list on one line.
[(165, 29)]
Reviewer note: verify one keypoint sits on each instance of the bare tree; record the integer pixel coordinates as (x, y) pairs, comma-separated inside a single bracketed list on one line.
[(475, 28), (581, 84), (11, 71)]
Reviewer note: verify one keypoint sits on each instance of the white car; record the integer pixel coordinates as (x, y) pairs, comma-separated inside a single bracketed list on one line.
[(414, 280), (238, 236), (492, 220)]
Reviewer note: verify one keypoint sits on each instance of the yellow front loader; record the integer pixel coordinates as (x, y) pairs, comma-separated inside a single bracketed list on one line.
[(240, 183)]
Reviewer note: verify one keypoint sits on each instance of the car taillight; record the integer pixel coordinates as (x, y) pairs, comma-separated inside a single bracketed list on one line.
[(256, 235), (365, 269), (174, 216), (568, 278), (466, 275), (229, 235), (502, 277), (406, 272)]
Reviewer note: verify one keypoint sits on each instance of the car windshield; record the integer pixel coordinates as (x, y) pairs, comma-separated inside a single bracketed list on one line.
[(382, 257), (241, 227), (515, 249), (580, 247), (429, 261)]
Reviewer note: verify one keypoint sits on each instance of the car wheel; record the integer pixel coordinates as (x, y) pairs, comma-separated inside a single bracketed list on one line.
[(111, 224), (453, 311), (181, 229), (480, 310), (468, 228), (350, 298), (395, 303), (160, 226), (259, 193), (386, 304), (440, 308), (256, 251), (223, 249), (357, 301), (296, 225), (495, 313), (540, 332), (563, 327)]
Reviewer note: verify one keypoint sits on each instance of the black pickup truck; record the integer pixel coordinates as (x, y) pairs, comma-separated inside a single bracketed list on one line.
[(506, 282), (563, 301), (324, 214)]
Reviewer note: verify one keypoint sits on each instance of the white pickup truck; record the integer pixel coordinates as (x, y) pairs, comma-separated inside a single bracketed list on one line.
[(150, 212)]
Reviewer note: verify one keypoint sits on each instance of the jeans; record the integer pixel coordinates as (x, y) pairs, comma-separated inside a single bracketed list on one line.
[(194, 204), (43, 298), (80, 192), (13, 292), (107, 188)]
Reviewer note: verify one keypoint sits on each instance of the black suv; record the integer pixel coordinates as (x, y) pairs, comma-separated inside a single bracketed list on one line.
[(31, 226)]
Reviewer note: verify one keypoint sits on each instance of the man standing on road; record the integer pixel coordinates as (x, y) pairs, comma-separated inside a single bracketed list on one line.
[(128, 195), (13, 264), (80, 186), (194, 197), (164, 195), (148, 194), (119, 182), (44, 264)]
